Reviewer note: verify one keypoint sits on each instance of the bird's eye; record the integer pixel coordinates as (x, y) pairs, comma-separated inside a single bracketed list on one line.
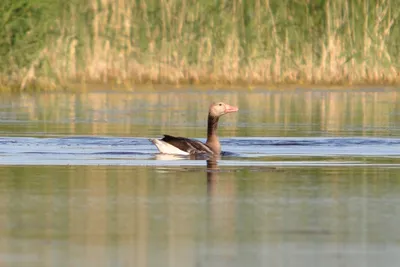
[(219, 104)]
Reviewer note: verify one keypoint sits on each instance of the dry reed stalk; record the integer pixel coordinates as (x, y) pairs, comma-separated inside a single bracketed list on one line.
[(30, 74)]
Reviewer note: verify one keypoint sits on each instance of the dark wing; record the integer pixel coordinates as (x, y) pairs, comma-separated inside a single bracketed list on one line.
[(189, 145)]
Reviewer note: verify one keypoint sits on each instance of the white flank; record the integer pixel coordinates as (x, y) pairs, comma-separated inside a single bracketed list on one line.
[(166, 148), (169, 157)]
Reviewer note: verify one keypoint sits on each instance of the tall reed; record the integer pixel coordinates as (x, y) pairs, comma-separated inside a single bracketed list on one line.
[(199, 42)]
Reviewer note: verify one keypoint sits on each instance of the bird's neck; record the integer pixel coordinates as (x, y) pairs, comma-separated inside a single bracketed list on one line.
[(212, 138), (212, 126)]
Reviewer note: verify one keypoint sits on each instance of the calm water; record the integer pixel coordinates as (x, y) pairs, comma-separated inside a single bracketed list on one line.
[(308, 178)]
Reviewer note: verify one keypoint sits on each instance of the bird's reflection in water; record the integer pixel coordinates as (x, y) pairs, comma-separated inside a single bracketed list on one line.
[(212, 174), (211, 171)]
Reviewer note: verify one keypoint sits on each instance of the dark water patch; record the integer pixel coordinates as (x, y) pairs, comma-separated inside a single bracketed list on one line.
[(311, 141), (121, 153), (55, 153), (75, 140), (229, 154), (112, 141)]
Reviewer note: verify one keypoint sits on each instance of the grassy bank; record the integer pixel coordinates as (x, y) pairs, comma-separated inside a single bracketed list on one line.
[(51, 43)]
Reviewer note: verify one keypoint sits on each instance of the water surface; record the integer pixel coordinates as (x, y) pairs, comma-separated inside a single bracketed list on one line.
[(301, 113), (307, 178)]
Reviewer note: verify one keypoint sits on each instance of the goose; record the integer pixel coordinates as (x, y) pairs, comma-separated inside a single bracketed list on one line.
[(184, 146)]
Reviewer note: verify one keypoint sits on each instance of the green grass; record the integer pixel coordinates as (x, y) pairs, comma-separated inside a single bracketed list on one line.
[(51, 44)]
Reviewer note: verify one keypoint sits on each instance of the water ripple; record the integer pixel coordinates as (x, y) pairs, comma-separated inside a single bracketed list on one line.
[(237, 151)]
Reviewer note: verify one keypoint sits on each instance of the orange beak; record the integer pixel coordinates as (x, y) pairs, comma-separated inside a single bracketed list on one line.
[(229, 109)]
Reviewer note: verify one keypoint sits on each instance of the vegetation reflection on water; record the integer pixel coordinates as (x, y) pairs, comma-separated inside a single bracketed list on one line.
[(128, 215), (200, 215), (138, 216), (262, 113)]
